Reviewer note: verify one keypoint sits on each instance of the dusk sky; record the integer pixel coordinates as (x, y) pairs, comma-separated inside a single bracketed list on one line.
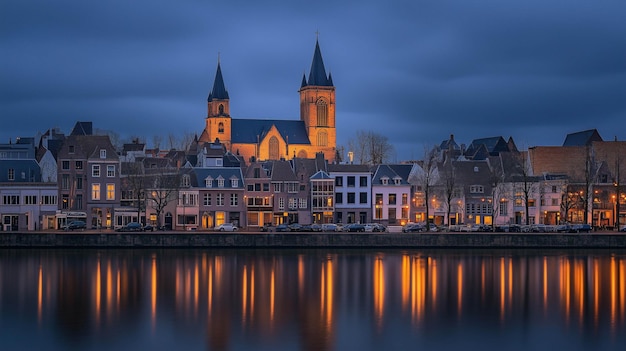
[(415, 71)]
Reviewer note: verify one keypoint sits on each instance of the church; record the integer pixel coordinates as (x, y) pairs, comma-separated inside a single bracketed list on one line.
[(274, 139)]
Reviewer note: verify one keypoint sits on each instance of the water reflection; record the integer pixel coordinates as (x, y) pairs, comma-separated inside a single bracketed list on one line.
[(317, 300)]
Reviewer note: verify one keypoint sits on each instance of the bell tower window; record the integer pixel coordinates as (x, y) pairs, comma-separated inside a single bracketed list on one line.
[(221, 109), (220, 127), (322, 113), (273, 154), (322, 139)]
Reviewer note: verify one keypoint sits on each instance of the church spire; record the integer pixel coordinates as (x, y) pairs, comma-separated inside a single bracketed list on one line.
[(219, 90), (317, 76)]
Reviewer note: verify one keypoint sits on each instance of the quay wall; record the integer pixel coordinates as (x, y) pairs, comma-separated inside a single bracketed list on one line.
[(310, 240)]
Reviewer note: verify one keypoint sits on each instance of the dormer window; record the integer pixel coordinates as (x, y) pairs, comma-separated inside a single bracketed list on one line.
[(220, 182), (185, 181), (103, 153), (234, 183), (397, 181), (208, 182), (219, 162), (477, 189), (384, 181)]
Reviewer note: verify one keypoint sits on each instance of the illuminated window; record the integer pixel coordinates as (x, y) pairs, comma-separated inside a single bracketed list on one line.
[(322, 139), (273, 148), (220, 126), (95, 191), (110, 191)]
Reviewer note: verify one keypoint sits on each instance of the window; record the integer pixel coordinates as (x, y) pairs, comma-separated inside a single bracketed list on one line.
[(30, 199), (392, 199), (363, 181), (379, 199), (110, 171), (65, 181), (48, 200), (219, 199), (555, 202), (79, 202), (351, 198), (378, 214), (71, 149), (95, 170), (477, 189), (79, 164), (339, 198), (110, 191), (292, 187), (65, 165), (234, 183), (384, 181), (351, 181), (339, 181), (234, 199), (397, 181), (250, 187), (292, 203), (103, 153), (322, 139), (266, 186), (220, 182), (277, 187), (208, 182), (95, 191), (404, 213), (207, 199), (405, 199), (303, 203), (281, 203), (273, 148), (65, 200), (185, 181), (531, 202), (504, 205), (322, 113), (257, 186), (257, 173), (362, 198), (220, 126), (11, 174), (79, 182)]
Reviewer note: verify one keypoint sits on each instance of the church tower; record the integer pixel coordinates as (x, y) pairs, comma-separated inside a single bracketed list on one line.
[(218, 121), (317, 106)]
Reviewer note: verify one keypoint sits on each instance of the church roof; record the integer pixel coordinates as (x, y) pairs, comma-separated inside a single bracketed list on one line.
[(219, 90), (317, 76), (246, 131)]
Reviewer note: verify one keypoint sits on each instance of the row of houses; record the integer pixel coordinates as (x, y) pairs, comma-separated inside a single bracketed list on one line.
[(51, 179)]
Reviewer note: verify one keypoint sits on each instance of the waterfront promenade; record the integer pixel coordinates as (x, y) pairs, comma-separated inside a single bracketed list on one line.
[(173, 239)]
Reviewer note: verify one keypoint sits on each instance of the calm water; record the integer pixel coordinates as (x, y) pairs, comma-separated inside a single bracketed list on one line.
[(312, 300)]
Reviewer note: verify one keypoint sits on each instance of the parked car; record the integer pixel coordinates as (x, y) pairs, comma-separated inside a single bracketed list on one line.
[(377, 227), (356, 227), (267, 227), (131, 227), (73, 225), (413, 228), (329, 227), (226, 227), (623, 229), (580, 228), (165, 227), (148, 228), (316, 227), (282, 228), (295, 227)]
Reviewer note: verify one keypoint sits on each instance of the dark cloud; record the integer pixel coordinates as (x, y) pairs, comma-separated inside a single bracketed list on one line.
[(415, 71)]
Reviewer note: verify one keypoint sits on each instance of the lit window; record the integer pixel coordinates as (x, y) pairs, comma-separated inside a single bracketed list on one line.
[(110, 191), (95, 191)]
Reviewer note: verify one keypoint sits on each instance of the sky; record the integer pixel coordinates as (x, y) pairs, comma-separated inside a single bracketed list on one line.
[(415, 71)]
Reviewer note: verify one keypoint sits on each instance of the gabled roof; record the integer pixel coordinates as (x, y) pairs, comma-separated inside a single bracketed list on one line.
[(219, 91), (493, 145), (583, 138), (82, 128), (320, 175), (198, 176), (282, 171), (403, 170), (385, 171), (317, 76), (250, 131)]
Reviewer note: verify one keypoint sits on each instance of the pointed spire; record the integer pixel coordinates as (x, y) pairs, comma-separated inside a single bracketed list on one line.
[(318, 72), (219, 90), (303, 81)]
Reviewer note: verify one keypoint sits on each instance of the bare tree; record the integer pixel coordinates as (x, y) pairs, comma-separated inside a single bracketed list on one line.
[(428, 177), (370, 148), (527, 183), (568, 202), (134, 181), (498, 190), (162, 189), (589, 179), (448, 180)]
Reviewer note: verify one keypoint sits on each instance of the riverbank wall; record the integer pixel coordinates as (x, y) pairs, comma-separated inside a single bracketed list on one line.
[(310, 240)]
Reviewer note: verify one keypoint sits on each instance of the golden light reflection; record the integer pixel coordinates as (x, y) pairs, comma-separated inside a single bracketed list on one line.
[(39, 294), (545, 284), (109, 288), (252, 286), (622, 288), (418, 291), (379, 290), (502, 289), (459, 279), (433, 280), (209, 289), (596, 292), (98, 291), (272, 293), (405, 273), (196, 287), (153, 290), (613, 291), (244, 294), (329, 294)]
